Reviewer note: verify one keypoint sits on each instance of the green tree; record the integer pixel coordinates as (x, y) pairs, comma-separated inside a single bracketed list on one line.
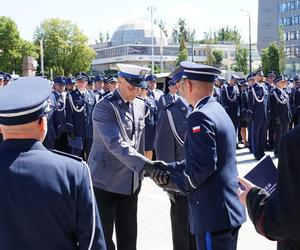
[(12, 47), (226, 34), (100, 38), (66, 49), (241, 58), (162, 25), (281, 48), (180, 31), (218, 55), (183, 52), (265, 61), (270, 59)]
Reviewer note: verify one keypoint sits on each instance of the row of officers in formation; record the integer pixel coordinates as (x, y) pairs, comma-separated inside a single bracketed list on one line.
[(261, 109), (120, 124)]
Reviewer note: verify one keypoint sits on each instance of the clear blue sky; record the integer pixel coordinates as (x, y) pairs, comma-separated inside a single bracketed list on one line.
[(94, 16)]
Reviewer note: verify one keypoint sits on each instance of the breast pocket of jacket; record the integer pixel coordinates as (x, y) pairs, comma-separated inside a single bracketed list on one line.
[(128, 125)]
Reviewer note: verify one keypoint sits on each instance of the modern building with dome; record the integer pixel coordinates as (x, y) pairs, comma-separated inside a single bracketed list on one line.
[(132, 43)]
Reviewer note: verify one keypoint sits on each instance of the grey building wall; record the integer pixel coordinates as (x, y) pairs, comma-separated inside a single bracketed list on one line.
[(267, 30), (271, 15)]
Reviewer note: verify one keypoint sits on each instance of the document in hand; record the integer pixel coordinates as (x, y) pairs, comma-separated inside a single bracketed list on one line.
[(264, 174)]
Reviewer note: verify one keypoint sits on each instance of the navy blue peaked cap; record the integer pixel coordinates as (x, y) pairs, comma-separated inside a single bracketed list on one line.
[(81, 76), (91, 80), (111, 79), (7, 77), (279, 79), (144, 85), (296, 78), (24, 100), (151, 78), (259, 72), (271, 74), (59, 80), (242, 82), (99, 78), (250, 76), (195, 71), (70, 80), (171, 82)]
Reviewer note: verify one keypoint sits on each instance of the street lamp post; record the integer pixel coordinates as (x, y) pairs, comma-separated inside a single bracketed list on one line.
[(42, 56), (152, 9), (193, 35), (250, 49)]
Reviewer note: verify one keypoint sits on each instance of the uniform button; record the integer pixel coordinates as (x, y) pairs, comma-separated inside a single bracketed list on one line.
[(197, 202)]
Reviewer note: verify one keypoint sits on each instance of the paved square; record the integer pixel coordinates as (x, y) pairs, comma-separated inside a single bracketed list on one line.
[(154, 226)]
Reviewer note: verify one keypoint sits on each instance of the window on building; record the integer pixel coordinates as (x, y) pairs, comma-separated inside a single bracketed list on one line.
[(293, 35), (292, 5), (288, 21), (283, 7)]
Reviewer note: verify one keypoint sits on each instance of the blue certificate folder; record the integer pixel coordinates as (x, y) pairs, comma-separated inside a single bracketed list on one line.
[(264, 174)]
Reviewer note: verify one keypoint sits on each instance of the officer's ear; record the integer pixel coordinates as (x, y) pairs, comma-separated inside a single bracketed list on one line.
[(189, 85), (43, 124)]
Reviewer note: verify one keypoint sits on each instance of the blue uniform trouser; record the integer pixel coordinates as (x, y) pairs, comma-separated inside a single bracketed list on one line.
[(118, 210), (249, 127), (181, 235), (85, 152), (258, 138), (218, 240), (280, 129)]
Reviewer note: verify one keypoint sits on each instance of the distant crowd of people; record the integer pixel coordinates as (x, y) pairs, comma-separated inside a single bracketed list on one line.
[(124, 128)]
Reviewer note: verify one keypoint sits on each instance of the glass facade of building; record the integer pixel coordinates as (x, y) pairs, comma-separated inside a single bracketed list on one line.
[(286, 13)]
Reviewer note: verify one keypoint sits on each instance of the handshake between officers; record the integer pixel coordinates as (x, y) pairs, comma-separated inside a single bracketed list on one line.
[(117, 160), (208, 175)]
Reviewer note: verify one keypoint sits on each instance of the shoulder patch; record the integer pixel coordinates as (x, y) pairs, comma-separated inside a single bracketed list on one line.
[(167, 106), (77, 158), (109, 97)]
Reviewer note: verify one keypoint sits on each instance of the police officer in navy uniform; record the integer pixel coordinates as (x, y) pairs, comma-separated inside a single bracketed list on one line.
[(169, 147), (258, 109), (251, 82), (269, 85), (231, 101), (110, 83), (295, 101), (169, 97), (46, 197), (91, 84), (280, 110), (154, 95), (208, 173), (98, 90), (117, 161), (58, 102), (80, 104), (244, 110), (150, 120), (219, 82), (153, 92), (70, 84)]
